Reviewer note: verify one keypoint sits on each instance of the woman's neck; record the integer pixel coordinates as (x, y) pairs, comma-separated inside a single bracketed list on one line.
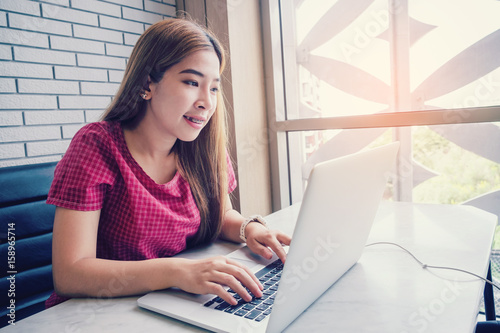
[(152, 152)]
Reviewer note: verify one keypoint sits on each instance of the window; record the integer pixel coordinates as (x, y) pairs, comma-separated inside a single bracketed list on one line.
[(346, 75)]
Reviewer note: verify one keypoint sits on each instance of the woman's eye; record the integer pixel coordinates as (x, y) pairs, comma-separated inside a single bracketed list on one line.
[(215, 89), (191, 83)]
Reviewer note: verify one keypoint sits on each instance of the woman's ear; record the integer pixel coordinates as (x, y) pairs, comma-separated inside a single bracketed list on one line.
[(147, 86), (146, 89)]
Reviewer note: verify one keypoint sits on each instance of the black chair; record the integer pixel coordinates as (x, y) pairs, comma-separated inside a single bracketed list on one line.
[(491, 325), (26, 223)]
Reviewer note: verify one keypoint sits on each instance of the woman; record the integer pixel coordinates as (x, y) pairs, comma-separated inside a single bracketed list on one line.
[(152, 179)]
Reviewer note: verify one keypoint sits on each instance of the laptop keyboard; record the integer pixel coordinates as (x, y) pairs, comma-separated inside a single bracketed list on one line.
[(258, 308)]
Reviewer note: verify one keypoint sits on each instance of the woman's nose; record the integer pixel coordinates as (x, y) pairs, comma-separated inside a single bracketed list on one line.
[(205, 101)]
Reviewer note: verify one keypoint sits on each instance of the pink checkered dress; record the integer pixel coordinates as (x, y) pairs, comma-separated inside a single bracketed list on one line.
[(140, 219)]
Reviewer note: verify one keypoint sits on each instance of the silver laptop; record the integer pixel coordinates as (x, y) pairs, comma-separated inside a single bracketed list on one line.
[(335, 218)]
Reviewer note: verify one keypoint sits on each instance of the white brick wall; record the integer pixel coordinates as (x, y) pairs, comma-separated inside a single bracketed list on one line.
[(5, 52), (61, 62), (20, 6), (22, 37), (76, 44), (31, 23), (48, 86), (79, 73), (99, 88), (7, 85), (30, 54)]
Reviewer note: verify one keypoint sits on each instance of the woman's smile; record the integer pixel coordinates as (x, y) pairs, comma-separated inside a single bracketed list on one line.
[(195, 122)]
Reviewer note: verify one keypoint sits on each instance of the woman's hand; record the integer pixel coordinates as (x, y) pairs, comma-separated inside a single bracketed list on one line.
[(209, 276), (264, 242)]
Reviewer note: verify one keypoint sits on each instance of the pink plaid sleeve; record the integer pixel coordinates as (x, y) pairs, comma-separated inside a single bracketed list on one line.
[(85, 173)]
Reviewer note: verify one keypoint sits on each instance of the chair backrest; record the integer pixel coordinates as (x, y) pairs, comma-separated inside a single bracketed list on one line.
[(26, 223)]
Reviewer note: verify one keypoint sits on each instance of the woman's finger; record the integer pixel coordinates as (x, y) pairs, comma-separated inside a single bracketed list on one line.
[(259, 247), (277, 247), (272, 241), (239, 278), (245, 276), (223, 279)]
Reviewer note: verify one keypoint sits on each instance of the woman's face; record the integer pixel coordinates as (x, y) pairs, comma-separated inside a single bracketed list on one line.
[(185, 99)]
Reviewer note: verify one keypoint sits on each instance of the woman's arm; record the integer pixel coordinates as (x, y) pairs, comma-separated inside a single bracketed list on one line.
[(259, 239), (77, 271)]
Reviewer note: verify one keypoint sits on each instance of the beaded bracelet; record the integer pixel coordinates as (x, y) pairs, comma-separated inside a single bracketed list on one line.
[(254, 218)]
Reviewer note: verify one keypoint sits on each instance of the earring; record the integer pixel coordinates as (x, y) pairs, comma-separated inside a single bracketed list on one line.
[(144, 95)]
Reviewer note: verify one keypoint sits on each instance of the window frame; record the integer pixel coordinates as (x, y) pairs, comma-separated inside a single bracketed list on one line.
[(280, 126)]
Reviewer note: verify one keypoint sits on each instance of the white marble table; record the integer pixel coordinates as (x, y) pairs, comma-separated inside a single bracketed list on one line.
[(386, 291)]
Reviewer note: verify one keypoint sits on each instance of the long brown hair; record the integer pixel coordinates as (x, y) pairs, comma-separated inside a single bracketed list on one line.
[(201, 162)]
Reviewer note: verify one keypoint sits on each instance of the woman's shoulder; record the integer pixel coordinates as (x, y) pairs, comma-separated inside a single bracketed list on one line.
[(93, 145), (98, 128), (97, 132), (98, 138)]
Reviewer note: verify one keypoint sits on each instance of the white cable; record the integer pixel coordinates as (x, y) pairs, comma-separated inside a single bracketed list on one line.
[(437, 267)]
